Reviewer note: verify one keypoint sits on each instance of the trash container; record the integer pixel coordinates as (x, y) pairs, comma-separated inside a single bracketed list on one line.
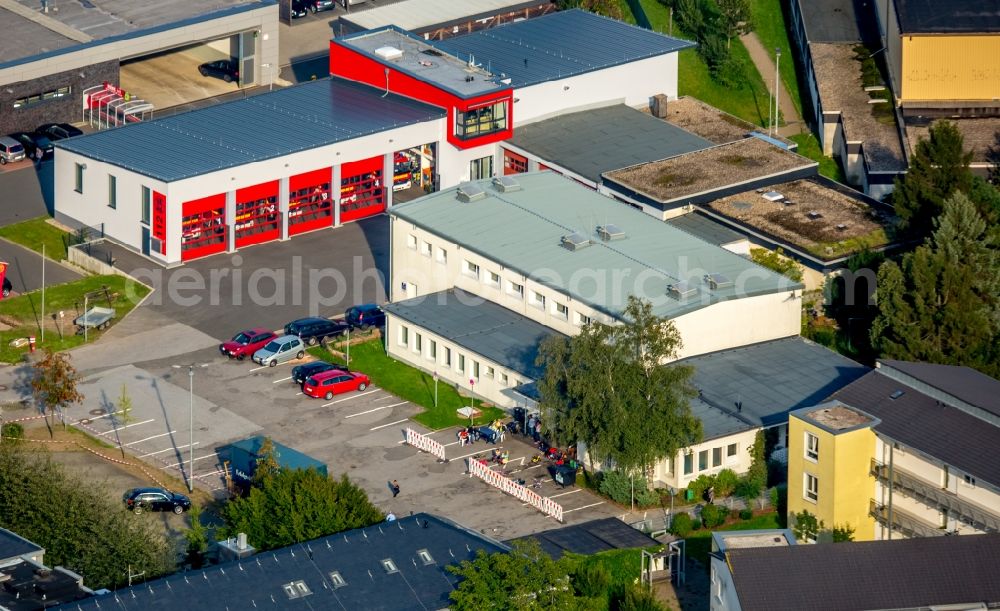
[(488, 433), (519, 416), (688, 494), (564, 475)]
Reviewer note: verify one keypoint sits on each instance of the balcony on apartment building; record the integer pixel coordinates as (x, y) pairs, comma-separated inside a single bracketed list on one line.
[(916, 487), (903, 521)]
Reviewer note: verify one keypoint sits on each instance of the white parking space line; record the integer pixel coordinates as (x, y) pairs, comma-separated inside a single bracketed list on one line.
[(121, 428), (385, 398), (186, 445), (473, 454), (375, 409), (351, 397), (268, 366), (282, 380), (132, 443), (565, 493), (95, 418), (177, 464), (584, 507), (382, 426), (298, 393)]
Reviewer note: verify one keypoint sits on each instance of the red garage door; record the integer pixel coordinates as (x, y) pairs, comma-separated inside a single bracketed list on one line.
[(514, 163), (309, 201), (362, 190), (203, 227), (257, 216)]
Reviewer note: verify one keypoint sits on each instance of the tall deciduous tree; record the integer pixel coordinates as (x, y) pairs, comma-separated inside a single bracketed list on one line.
[(735, 18), (53, 383), (295, 505), (609, 388), (942, 303)]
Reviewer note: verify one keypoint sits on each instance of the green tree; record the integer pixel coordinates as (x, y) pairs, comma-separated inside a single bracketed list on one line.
[(267, 462), (775, 260), (53, 384), (806, 527), (690, 15), (197, 537), (609, 388), (735, 18), (124, 406), (524, 579), (635, 598), (942, 303), (296, 505), (843, 533), (79, 524)]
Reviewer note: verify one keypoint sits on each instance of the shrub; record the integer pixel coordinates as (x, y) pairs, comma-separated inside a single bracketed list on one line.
[(619, 486), (12, 431), (748, 489), (591, 580), (681, 525), (746, 514), (635, 598), (646, 497), (714, 515), (696, 525), (701, 484), (725, 482)]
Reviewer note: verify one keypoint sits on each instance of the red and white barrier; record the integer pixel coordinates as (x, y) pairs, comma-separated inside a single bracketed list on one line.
[(511, 487), (424, 443)]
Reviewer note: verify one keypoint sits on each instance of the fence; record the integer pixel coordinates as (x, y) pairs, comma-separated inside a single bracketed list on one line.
[(424, 443), (93, 258), (522, 493)]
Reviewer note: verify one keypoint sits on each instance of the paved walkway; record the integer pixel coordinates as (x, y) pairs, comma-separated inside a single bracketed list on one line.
[(764, 62)]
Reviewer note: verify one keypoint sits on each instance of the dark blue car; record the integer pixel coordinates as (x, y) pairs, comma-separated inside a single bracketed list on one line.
[(365, 316)]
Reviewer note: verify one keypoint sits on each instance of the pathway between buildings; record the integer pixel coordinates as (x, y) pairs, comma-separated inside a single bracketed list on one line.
[(765, 65)]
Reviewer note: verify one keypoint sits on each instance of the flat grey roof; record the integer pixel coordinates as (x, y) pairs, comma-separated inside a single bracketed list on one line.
[(417, 15), (717, 423), (523, 231), (590, 537), (13, 545), (624, 136), (480, 326), (951, 17), (830, 20), (425, 62), (306, 116), (763, 382), (700, 226), (964, 383)]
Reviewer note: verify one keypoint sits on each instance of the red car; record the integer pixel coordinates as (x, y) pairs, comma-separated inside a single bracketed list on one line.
[(246, 343), (329, 383)]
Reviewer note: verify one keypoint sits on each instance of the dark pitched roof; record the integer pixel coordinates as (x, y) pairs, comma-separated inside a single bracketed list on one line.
[(559, 45), (591, 537), (285, 121), (483, 327), (902, 574), (13, 545), (624, 136), (357, 555), (963, 383), (771, 378), (700, 226), (921, 422), (953, 16)]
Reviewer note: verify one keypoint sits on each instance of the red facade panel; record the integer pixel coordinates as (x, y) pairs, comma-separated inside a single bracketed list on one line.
[(159, 221)]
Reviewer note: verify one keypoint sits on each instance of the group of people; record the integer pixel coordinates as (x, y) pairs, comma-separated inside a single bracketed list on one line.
[(534, 428)]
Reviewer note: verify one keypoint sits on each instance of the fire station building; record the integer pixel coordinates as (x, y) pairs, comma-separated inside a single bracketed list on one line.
[(399, 117)]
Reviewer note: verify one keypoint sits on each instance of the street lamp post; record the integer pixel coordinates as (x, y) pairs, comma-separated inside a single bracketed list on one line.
[(190, 475), (777, 59)]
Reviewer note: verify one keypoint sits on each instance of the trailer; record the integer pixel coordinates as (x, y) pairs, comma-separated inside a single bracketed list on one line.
[(94, 318), (241, 459)]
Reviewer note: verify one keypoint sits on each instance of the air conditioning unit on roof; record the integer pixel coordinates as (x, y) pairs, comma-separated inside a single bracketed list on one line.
[(389, 53)]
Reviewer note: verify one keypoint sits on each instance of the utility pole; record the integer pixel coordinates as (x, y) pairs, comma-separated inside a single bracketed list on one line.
[(777, 59), (43, 292)]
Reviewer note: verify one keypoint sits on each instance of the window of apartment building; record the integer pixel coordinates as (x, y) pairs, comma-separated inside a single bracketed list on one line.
[(582, 319), (480, 122), (38, 98), (490, 373), (442, 255), (147, 202), (688, 463), (432, 350), (537, 300), (475, 370), (810, 487), (971, 481), (447, 356), (731, 450), (418, 343), (716, 457), (471, 269), (562, 311), (461, 363), (702, 460), (78, 183), (404, 335), (411, 241), (494, 279), (503, 379), (425, 249), (812, 447), (481, 168), (112, 191), (515, 289)]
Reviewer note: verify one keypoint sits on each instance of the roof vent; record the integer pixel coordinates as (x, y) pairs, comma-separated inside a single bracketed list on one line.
[(506, 184), (433, 52), (389, 53), (718, 281), (681, 290), (610, 232), (896, 394), (470, 192), (575, 241), (773, 196)]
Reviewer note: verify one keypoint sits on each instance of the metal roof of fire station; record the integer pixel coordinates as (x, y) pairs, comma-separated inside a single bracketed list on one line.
[(257, 128), (559, 45)]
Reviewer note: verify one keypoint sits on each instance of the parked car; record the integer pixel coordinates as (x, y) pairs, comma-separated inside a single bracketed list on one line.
[(34, 142), (280, 350), (314, 330), (300, 8), (245, 343), (322, 5), (223, 69), (7, 287), (301, 372), (58, 131), (325, 385), (10, 150), (138, 500), (365, 316)]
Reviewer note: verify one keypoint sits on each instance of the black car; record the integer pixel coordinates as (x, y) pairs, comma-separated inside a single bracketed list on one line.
[(58, 131), (138, 500), (314, 330), (223, 69), (33, 142), (322, 5), (365, 316), (301, 372), (7, 287), (300, 8)]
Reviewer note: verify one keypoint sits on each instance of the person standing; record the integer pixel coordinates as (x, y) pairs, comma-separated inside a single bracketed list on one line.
[(529, 429), (395, 488)]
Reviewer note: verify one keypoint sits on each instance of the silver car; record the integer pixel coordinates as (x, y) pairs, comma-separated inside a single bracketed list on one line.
[(279, 350)]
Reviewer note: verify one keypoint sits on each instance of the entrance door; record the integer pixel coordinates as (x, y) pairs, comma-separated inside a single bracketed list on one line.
[(481, 168)]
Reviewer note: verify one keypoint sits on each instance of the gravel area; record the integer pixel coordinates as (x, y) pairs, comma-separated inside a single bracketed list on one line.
[(709, 169), (709, 122), (819, 217), (979, 135), (841, 90)]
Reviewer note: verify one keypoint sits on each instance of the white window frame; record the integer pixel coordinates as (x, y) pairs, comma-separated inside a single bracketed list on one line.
[(411, 242), (537, 300), (515, 290), (471, 269), (503, 379), (418, 343), (447, 356), (582, 319), (493, 278), (78, 177), (442, 255), (475, 370), (560, 310), (706, 467), (112, 191), (811, 445), (490, 372), (404, 336), (426, 249), (460, 363), (808, 493), (432, 350)]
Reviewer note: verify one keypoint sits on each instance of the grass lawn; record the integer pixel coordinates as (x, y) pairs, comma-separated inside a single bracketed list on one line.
[(411, 384), (32, 234), (769, 24), (828, 166), (699, 543), (23, 313)]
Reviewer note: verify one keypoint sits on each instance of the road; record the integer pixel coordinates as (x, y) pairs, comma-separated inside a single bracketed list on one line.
[(25, 271)]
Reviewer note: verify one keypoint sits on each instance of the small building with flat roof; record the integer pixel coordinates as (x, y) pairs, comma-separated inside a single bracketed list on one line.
[(26, 584), (440, 19)]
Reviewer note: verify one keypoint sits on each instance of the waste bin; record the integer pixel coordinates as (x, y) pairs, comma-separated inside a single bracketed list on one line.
[(688, 494), (488, 433), (564, 475), (519, 415)]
